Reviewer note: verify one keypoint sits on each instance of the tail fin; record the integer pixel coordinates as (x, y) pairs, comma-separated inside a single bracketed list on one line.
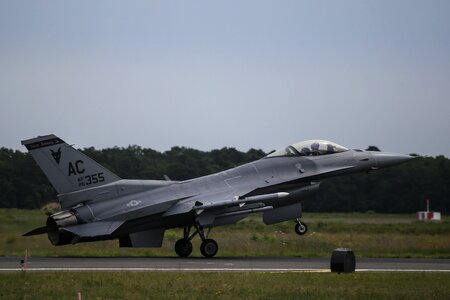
[(67, 169)]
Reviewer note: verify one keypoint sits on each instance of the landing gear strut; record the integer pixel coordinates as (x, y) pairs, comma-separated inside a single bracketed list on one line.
[(300, 227), (208, 248)]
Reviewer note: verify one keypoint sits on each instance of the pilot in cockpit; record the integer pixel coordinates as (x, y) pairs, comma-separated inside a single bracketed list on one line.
[(315, 148), (305, 151), (330, 149)]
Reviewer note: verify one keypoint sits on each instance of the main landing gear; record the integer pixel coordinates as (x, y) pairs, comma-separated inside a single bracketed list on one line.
[(183, 247), (300, 227)]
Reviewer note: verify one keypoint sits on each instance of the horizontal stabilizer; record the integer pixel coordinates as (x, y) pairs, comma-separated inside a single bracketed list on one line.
[(94, 229), (36, 231)]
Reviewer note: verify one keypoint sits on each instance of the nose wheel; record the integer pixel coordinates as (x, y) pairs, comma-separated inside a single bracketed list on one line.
[(300, 228)]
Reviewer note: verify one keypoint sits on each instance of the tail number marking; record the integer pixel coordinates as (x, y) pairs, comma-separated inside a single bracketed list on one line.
[(90, 179), (76, 167)]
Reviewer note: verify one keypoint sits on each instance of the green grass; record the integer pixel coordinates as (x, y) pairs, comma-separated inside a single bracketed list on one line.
[(368, 234), (155, 285)]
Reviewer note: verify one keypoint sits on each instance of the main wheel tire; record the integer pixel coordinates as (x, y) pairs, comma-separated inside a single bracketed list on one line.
[(183, 247), (301, 228), (209, 248)]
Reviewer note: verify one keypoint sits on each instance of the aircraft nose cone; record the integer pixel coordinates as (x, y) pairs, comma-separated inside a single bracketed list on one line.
[(386, 159)]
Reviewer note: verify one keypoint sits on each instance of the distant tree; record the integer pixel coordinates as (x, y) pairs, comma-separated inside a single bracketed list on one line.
[(372, 148), (402, 188)]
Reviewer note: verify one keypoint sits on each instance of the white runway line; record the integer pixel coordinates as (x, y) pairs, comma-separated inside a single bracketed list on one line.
[(266, 270), (402, 270)]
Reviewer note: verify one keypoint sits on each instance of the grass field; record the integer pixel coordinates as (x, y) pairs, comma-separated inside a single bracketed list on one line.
[(224, 285), (368, 234)]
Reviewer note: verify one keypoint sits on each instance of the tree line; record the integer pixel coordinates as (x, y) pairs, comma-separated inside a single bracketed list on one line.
[(399, 189)]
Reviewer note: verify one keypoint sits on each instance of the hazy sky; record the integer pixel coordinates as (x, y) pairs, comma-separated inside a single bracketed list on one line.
[(209, 74)]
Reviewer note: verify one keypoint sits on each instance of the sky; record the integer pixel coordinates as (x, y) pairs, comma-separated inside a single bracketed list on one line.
[(213, 74)]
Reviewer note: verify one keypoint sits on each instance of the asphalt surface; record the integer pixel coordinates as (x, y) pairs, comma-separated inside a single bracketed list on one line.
[(218, 264)]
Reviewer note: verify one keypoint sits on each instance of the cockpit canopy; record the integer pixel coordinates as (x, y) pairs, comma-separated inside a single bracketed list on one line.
[(309, 148)]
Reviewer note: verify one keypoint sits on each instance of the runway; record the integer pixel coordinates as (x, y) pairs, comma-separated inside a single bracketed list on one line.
[(218, 264)]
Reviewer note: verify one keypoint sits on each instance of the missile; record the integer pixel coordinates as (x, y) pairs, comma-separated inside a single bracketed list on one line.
[(265, 197), (245, 211), (240, 201)]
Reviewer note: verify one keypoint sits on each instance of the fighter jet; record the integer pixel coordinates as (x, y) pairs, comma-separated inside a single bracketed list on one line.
[(96, 204)]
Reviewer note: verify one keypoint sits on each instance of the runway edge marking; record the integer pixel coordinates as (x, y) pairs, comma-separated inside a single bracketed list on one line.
[(207, 270)]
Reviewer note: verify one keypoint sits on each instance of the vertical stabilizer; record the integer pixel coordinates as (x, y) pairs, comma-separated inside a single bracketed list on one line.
[(66, 168)]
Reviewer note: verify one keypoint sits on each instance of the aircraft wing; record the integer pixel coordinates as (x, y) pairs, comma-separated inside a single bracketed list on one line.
[(228, 197), (227, 203)]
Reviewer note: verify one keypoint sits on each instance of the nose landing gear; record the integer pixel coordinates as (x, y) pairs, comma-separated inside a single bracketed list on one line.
[(300, 227)]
